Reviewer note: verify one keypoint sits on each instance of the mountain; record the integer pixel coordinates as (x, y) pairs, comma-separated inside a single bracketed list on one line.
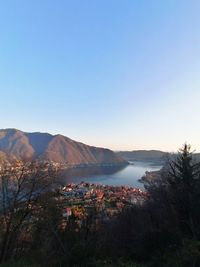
[(143, 155), (56, 148)]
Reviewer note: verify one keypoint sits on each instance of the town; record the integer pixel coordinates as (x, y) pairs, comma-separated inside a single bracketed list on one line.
[(81, 200)]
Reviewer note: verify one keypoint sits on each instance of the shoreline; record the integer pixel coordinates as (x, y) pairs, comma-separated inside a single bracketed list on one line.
[(91, 165)]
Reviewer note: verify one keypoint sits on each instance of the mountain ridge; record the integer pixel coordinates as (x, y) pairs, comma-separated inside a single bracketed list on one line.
[(143, 155), (56, 148)]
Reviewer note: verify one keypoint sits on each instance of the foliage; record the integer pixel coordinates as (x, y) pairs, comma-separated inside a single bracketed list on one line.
[(164, 231), (21, 189)]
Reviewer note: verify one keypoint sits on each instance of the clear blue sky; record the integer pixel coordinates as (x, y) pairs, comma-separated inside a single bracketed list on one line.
[(119, 74)]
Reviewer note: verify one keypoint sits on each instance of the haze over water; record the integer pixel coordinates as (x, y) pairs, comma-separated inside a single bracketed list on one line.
[(128, 175)]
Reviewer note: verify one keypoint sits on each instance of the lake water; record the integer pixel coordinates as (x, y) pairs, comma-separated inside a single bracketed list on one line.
[(126, 175)]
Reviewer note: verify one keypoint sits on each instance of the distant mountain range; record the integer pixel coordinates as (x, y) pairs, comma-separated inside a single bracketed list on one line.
[(155, 156), (57, 148), (16, 144), (143, 155)]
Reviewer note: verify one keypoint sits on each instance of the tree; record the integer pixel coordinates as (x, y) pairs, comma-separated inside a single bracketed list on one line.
[(184, 190), (165, 230), (21, 186)]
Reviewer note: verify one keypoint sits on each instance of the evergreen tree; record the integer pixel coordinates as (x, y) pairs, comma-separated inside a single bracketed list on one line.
[(184, 190)]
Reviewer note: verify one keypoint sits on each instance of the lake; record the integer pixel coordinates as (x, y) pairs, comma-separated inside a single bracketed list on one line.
[(126, 175)]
